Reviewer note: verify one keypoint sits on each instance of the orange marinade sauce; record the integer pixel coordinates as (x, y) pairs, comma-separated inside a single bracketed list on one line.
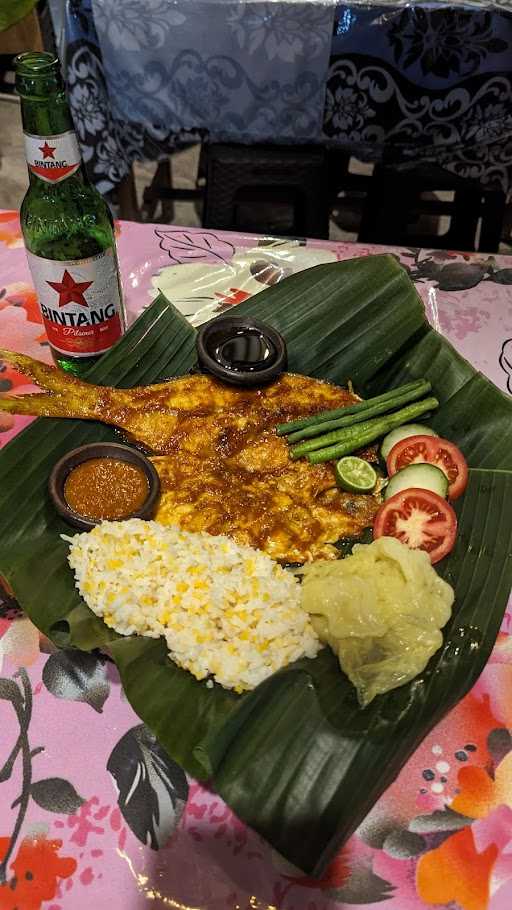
[(106, 488)]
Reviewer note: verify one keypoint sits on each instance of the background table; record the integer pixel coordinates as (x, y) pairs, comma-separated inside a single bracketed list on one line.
[(422, 83), (99, 826)]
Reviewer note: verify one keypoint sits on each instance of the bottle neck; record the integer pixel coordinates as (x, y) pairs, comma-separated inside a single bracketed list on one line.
[(44, 118)]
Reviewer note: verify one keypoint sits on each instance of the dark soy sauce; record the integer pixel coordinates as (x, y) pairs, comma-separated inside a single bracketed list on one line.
[(245, 350)]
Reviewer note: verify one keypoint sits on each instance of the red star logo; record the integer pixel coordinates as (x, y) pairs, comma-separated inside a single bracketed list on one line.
[(47, 150), (69, 290)]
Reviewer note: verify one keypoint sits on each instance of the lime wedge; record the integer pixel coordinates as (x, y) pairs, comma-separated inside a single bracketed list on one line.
[(355, 475)]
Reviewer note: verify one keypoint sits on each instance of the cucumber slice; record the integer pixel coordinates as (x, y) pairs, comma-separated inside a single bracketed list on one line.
[(424, 476), (409, 429)]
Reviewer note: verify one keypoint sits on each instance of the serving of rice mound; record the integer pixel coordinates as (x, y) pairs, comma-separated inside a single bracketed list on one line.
[(227, 612)]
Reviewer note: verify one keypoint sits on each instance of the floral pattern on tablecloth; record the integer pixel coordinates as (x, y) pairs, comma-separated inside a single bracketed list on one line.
[(390, 81), (105, 818), (253, 71), (109, 144), (417, 84)]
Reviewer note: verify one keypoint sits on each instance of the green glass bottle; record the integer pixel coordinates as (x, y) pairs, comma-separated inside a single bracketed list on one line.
[(66, 224)]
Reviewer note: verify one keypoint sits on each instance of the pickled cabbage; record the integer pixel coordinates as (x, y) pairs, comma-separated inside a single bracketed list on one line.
[(381, 610)]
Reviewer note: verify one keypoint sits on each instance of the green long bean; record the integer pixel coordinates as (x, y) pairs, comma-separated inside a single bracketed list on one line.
[(371, 431), (284, 428), (348, 420)]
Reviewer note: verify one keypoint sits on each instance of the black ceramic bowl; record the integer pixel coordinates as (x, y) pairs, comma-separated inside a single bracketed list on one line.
[(240, 350), (69, 461)]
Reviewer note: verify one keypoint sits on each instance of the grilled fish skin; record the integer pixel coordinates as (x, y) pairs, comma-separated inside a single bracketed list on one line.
[(222, 467)]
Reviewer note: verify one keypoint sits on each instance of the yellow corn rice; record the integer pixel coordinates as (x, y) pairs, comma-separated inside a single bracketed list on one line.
[(227, 612)]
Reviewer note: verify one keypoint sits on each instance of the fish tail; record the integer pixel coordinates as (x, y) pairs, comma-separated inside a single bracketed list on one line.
[(65, 395), (36, 405), (45, 376)]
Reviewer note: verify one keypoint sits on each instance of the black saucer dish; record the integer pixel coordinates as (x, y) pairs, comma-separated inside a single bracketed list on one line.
[(241, 351)]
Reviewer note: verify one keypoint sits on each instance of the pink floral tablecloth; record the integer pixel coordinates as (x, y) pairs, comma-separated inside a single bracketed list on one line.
[(93, 814)]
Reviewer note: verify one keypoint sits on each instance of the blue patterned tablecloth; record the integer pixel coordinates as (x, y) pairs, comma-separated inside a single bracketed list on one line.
[(424, 82), (390, 81), (246, 71)]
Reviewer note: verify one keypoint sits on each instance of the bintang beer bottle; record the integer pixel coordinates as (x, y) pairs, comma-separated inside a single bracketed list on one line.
[(67, 226)]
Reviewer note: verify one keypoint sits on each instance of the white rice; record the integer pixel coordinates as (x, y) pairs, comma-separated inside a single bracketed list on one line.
[(227, 612)]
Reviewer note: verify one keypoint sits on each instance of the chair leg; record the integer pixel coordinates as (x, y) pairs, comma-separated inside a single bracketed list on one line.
[(162, 180), (337, 170), (506, 230), (127, 194), (493, 220), (376, 210)]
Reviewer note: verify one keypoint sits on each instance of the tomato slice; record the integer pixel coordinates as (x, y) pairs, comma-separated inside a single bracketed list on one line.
[(419, 518), (431, 450)]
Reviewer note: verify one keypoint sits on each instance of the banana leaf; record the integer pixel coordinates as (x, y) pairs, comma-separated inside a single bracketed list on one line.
[(297, 758)]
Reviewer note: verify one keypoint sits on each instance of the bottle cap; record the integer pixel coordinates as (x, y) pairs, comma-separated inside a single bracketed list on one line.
[(241, 350)]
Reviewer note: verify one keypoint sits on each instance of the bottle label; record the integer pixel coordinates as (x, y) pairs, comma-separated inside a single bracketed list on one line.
[(80, 302), (52, 158)]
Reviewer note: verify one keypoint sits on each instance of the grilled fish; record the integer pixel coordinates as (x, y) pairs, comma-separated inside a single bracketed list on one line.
[(222, 467)]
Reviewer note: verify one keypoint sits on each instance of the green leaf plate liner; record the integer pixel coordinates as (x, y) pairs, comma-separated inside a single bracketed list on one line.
[(296, 758)]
